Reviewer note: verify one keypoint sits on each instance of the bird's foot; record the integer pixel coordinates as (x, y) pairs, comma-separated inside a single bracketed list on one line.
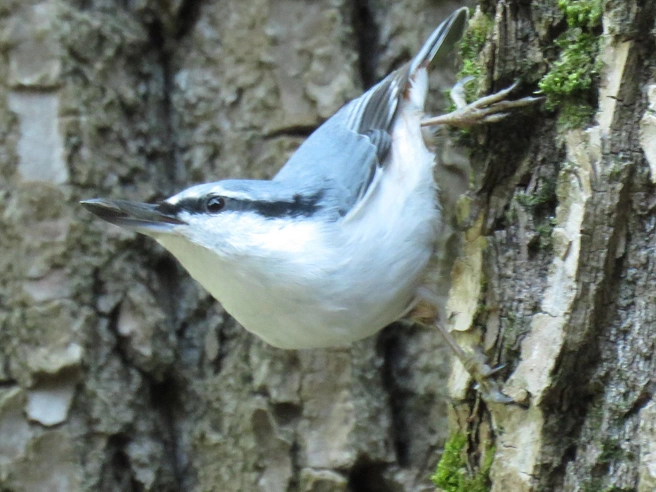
[(475, 364), (488, 109)]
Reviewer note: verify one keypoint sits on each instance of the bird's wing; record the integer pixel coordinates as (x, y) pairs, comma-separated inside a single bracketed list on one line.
[(346, 154)]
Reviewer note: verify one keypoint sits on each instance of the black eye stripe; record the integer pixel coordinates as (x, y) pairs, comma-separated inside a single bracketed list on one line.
[(297, 206)]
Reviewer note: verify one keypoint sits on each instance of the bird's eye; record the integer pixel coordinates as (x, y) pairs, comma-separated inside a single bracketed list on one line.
[(215, 204)]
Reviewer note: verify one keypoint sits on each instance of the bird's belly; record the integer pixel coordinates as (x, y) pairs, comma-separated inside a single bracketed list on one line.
[(320, 312), (342, 294), (326, 296)]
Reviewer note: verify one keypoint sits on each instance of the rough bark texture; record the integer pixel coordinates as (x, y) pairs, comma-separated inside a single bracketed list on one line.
[(118, 372), (568, 217)]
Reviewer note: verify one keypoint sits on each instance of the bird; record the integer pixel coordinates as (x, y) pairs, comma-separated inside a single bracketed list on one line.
[(335, 246)]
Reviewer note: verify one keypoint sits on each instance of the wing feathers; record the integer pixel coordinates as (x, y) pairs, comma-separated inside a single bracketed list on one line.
[(345, 155), (376, 108)]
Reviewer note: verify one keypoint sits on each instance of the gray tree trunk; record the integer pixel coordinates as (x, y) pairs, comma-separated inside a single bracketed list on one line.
[(567, 211), (118, 372)]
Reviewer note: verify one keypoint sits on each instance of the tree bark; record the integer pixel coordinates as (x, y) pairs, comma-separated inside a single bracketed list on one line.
[(118, 372), (566, 209)]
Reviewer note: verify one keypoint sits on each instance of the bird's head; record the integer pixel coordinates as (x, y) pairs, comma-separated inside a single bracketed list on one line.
[(224, 217)]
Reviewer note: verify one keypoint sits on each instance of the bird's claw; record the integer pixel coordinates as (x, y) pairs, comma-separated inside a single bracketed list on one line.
[(489, 389), (487, 109), (457, 93), (474, 363), (491, 393), (491, 371)]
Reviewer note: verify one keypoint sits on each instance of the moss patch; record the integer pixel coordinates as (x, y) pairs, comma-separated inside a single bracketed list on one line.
[(582, 13), (541, 206), (469, 48), (545, 195), (452, 475), (569, 84)]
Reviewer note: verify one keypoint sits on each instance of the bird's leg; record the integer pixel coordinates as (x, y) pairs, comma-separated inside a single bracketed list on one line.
[(488, 109), (474, 362)]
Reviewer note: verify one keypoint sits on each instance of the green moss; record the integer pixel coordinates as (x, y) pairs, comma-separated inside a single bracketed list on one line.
[(529, 202), (611, 450), (569, 83), (616, 168), (540, 205), (544, 232), (451, 468), (573, 73), (470, 47), (451, 474), (582, 13), (546, 193), (595, 484), (574, 114)]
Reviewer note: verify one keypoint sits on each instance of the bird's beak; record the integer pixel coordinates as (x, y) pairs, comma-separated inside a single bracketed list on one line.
[(140, 217)]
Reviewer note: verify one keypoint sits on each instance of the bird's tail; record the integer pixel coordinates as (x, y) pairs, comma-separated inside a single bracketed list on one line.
[(447, 34), (376, 108)]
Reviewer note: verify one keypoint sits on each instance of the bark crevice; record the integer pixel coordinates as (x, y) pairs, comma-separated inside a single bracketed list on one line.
[(188, 15), (367, 38), (163, 46), (391, 349)]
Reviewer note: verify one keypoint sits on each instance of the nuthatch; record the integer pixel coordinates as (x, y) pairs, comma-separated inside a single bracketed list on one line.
[(335, 246)]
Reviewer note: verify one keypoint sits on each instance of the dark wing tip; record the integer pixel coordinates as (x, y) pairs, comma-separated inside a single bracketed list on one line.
[(442, 39)]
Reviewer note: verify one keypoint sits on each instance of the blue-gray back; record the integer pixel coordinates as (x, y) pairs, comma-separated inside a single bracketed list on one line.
[(343, 155)]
